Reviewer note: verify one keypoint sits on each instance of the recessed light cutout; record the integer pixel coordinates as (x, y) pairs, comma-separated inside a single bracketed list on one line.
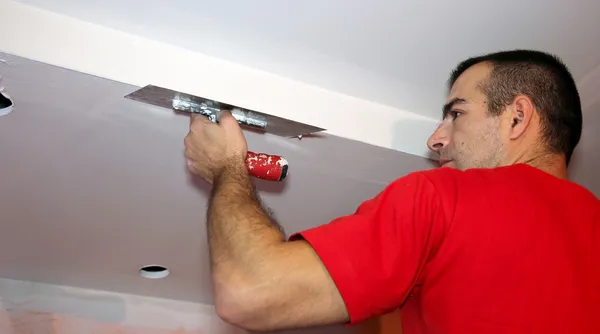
[(154, 271), (6, 104)]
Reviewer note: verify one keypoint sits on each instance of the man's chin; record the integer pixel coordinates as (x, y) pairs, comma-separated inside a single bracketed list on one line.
[(448, 164)]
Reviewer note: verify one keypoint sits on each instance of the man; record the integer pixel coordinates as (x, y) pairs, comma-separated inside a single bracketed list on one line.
[(497, 241)]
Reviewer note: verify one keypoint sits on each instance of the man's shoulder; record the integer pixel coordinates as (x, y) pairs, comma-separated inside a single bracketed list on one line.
[(452, 181), (448, 181), (444, 175)]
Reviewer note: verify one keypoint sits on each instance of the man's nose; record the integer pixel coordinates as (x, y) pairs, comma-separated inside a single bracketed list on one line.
[(439, 139)]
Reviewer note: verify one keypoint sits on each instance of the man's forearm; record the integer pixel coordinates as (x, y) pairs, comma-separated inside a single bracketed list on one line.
[(240, 231), (260, 281)]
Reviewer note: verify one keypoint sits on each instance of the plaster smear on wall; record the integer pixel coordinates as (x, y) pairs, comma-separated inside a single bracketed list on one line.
[(38, 308), (22, 322)]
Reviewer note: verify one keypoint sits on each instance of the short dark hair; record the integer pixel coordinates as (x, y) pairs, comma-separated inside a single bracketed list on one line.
[(546, 80)]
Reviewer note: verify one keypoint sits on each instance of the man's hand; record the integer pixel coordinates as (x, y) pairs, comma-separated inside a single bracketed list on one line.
[(211, 148)]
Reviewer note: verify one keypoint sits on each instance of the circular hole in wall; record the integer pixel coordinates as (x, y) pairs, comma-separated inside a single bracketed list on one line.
[(154, 271), (6, 104)]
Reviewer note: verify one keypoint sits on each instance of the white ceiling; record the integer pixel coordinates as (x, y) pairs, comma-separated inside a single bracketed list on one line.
[(94, 185), (393, 52), (97, 183)]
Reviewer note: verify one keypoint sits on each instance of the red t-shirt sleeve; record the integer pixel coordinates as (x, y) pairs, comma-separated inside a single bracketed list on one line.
[(376, 255)]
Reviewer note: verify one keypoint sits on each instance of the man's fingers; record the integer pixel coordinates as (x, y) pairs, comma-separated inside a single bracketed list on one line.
[(198, 119), (193, 117), (187, 141), (226, 117), (227, 120), (191, 166), (190, 163)]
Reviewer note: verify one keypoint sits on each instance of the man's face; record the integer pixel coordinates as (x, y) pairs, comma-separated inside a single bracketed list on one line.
[(468, 136)]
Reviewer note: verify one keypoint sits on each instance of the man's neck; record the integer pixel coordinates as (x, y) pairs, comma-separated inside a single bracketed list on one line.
[(551, 163)]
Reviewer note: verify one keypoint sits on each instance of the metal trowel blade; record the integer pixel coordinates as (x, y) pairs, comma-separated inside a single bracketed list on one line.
[(163, 97)]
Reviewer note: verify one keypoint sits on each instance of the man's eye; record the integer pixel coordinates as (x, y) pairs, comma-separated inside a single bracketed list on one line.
[(455, 114)]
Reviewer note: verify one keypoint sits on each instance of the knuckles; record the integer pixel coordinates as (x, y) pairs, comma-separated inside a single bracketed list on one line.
[(187, 153), (187, 141), (199, 124), (196, 126)]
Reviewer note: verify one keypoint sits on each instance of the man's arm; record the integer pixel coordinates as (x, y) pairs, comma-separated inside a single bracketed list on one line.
[(262, 282), (348, 270)]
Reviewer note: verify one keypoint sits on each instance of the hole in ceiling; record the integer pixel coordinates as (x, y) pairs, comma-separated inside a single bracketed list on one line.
[(154, 271), (6, 104)]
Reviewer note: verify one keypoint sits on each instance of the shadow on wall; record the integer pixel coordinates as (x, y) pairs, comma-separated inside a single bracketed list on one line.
[(586, 158), (577, 162)]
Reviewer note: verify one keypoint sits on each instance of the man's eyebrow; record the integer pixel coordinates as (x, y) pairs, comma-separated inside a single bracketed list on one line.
[(448, 106)]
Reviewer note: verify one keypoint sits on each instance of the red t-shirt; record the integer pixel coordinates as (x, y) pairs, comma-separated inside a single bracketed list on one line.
[(505, 250)]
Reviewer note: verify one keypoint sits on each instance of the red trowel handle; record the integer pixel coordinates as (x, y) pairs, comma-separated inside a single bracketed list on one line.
[(266, 166)]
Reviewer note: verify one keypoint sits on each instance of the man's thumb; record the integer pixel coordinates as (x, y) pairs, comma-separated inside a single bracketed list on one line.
[(227, 120)]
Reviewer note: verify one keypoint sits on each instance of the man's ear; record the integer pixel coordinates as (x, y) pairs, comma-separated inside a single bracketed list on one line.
[(521, 113)]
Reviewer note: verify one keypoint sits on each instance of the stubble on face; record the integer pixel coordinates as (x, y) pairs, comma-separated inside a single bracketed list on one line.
[(475, 139), (478, 147)]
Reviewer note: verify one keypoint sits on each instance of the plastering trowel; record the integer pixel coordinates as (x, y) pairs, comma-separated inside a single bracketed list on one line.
[(260, 165)]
